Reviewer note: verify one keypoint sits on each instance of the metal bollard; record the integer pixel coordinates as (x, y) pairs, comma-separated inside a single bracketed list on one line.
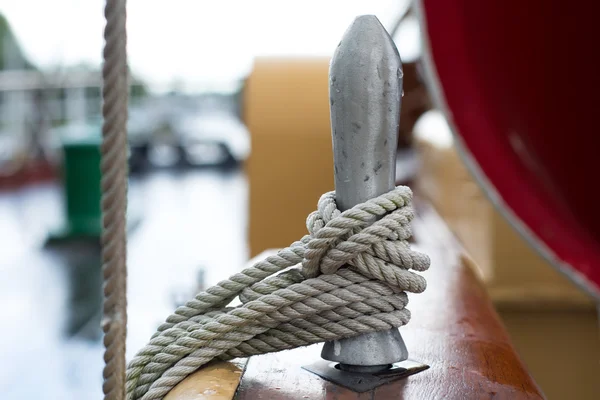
[(365, 90)]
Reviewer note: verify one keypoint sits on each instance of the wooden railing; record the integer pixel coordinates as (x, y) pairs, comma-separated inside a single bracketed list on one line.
[(454, 329)]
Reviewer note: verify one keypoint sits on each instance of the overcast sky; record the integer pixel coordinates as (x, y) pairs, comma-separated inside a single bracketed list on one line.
[(189, 40)]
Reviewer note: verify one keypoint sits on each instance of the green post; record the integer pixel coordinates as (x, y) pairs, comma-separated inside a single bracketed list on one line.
[(82, 186), (81, 183)]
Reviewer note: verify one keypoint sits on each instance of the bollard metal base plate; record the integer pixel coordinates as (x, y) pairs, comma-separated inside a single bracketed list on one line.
[(363, 382)]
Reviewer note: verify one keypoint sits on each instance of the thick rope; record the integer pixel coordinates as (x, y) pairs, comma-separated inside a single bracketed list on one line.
[(114, 198), (350, 276)]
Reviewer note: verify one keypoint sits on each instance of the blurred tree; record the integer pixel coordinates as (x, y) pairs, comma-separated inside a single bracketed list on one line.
[(11, 54)]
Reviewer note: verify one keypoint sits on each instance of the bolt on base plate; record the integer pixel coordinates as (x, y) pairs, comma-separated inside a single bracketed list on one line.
[(363, 382)]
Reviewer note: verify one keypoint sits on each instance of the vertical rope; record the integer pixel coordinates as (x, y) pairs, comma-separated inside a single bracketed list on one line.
[(114, 198)]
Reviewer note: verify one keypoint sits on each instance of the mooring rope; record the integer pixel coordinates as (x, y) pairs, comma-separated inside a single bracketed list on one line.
[(348, 277), (114, 198)]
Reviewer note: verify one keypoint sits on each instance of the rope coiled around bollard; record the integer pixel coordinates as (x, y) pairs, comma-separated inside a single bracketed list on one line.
[(348, 277)]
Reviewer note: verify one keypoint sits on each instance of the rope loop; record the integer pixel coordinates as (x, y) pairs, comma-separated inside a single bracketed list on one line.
[(347, 277), (337, 238)]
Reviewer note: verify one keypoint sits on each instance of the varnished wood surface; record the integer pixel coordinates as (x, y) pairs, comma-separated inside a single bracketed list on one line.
[(454, 329), (216, 381)]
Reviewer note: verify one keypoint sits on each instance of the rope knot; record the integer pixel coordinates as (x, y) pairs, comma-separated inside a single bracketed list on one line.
[(371, 237)]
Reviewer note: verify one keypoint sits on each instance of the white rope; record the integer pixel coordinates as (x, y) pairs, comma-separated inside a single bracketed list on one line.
[(348, 277), (114, 198)]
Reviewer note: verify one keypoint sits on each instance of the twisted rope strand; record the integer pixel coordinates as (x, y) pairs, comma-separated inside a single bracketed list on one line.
[(350, 277), (114, 199), (301, 305)]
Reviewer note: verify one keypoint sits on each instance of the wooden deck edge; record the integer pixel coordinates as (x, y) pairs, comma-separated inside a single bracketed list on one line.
[(217, 381)]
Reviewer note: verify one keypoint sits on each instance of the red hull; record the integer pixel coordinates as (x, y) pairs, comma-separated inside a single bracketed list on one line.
[(518, 82)]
